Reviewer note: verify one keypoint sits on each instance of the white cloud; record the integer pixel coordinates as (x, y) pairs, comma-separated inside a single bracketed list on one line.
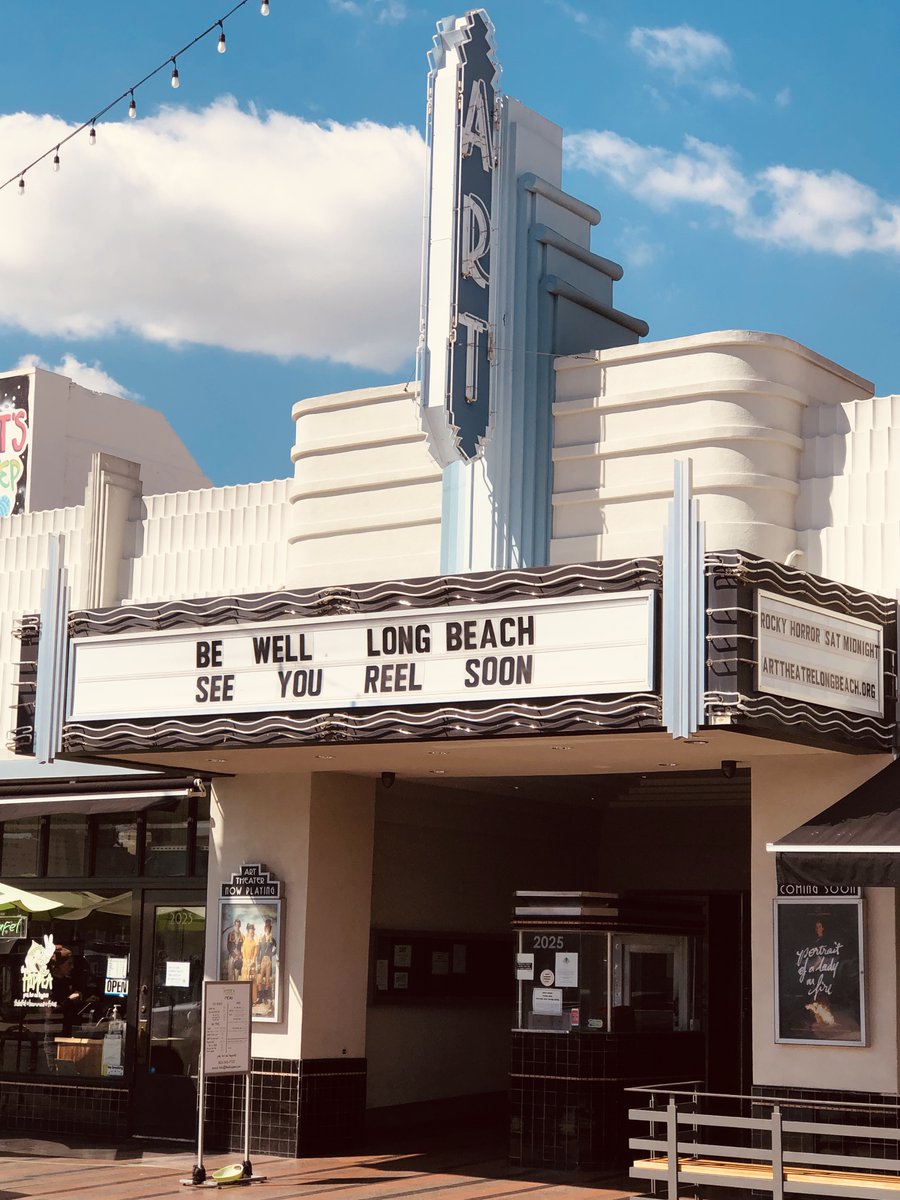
[(89, 375), (255, 232), (690, 56), (783, 98), (391, 12), (680, 49), (703, 173), (578, 15), (634, 247), (827, 212), (385, 12)]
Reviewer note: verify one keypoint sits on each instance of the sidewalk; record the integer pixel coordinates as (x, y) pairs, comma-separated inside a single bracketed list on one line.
[(54, 1171)]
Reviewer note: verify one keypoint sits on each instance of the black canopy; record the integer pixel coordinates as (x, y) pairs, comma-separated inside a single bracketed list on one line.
[(37, 797), (854, 843)]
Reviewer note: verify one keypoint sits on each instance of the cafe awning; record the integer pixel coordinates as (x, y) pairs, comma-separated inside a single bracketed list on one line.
[(854, 843), (45, 794)]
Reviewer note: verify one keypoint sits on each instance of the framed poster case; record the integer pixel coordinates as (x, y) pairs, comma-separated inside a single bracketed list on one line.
[(819, 971), (250, 935)]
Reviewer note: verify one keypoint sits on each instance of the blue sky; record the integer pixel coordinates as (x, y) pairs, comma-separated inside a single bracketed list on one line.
[(253, 237)]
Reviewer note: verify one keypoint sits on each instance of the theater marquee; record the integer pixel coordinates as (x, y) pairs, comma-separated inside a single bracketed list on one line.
[(577, 646), (812, 654)]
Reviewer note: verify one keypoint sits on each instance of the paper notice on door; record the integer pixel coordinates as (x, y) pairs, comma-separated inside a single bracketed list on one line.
[(178, 974), (546, 1000), (401, 980), (440, 962), (402, 955), (566, 969), (117, 968), (524, 966), (381, 974), (111, 1055)]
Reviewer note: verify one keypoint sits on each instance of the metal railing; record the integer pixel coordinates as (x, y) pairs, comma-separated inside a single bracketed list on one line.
[(703, 1144)]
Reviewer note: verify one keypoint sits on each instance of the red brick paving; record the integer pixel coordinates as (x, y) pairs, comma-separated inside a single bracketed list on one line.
[(55, 1172)]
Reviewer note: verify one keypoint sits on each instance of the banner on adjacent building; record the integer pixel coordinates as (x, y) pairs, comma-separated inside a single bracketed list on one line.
[(15, 439)]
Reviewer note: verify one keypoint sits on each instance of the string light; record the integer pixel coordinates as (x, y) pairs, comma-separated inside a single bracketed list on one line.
[(91, 123)]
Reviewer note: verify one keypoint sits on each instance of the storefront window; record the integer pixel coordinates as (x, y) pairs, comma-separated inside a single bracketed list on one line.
[(166, 850), (168, 842), (67, 845), (21, 847), (64, 985)]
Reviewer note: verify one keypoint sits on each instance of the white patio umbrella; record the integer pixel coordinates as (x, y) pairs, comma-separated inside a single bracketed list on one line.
[(31, 902)]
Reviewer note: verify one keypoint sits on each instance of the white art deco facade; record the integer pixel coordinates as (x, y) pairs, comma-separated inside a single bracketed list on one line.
[(436, 667)]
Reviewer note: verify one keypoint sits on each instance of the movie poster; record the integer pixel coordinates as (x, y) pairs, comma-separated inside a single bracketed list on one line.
[(819, 976), (250, 931)]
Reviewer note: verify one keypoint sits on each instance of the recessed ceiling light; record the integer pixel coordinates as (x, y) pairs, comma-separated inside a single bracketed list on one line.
[(437, 772), (324, 756), (216, 760), (438, 753), (667, 764), (560, 747)]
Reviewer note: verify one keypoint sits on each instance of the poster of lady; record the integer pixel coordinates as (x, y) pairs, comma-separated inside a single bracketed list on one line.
[(819, 971)]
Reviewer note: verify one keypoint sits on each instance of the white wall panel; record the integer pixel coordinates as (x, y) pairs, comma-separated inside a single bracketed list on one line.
[(201, 543)]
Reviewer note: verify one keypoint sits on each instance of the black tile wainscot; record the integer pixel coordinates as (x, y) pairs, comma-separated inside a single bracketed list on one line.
[(568, 1107), (68, 1109), (313, 1106)]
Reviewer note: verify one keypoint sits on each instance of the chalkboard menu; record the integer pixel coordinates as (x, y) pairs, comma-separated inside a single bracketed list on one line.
[(423, 968), (819, 978)]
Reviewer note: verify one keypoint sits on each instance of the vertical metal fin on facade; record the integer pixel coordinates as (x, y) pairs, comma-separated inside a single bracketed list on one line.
[(683, 630), (52, 656)]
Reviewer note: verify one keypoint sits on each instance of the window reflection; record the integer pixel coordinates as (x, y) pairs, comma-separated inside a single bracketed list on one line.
[(117, 846), (21, 847), (201, 857), (167, 840), (64, 984), (66, 853)]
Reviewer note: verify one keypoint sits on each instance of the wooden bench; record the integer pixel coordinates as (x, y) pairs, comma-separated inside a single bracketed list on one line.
[(679, 1162)]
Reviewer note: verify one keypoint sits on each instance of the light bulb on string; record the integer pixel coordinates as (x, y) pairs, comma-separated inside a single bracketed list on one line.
[(176, 82), (264, 8), (21, 185), (222, 47), (92, 136), (132, 107), (56, 160)]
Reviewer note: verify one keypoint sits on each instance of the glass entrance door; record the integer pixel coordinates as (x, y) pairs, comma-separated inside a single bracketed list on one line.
[(169, 999)]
